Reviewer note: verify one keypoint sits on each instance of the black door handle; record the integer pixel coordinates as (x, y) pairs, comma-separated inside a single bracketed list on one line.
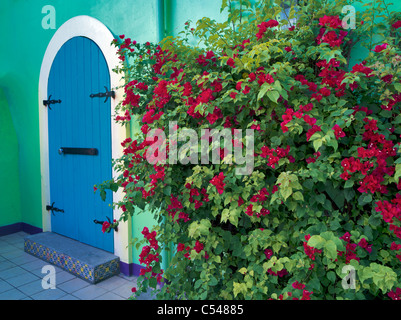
[(83, 151)]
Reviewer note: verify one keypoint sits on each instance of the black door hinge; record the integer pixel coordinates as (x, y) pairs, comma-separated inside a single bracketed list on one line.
[(53, 209), (48, 102), (106, 94)]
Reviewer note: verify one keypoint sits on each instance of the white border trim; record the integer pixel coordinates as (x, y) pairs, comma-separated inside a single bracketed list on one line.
[(93, 29)]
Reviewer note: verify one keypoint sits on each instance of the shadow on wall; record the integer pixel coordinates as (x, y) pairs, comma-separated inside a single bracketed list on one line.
[(10, 209)]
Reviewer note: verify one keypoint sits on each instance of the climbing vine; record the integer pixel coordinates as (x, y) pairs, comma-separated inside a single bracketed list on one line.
[(321, 190)]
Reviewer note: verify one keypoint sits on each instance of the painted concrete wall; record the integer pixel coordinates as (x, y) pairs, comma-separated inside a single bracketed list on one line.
[(10, 211)]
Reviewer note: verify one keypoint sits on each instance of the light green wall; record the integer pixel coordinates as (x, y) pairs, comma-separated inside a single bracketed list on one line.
[(10, 211)]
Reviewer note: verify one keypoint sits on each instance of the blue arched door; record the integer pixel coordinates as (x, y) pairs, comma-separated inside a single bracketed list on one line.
[(77, 125)]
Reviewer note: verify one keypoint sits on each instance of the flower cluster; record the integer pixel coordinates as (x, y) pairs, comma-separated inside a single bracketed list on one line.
[(107, 226), (390, 210), (274, 155), (150, 254), (174, 207), (395, 294), (350, 248), (310, 251), (217, 181), (199, 247), (264, 26)]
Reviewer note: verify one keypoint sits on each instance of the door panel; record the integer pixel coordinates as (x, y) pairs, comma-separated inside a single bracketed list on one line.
[(79, 121)]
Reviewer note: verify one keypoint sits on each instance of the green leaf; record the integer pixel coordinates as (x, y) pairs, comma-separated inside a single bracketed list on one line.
[(263, 89), (298, 196), (167, 190), (320, 198), (330, 249), (333, 143), (349, 194), (364, 199), (239, 288), (273, 95), (397, 86), (213, 281), (397, 173), (316, 241), (198, 283), (153, 282), (285, 192), (349, 183), (103, 194), (331, 276)]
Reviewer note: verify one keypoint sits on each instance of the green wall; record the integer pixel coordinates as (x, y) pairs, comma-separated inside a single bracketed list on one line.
[(10, 211)]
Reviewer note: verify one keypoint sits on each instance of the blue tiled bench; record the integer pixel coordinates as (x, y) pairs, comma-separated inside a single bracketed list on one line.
[(84, 261)]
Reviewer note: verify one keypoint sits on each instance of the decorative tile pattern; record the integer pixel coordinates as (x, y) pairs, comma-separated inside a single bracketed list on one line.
[(89, 273)]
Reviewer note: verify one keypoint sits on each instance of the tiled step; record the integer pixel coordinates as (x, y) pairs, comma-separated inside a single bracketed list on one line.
[(88, 263)]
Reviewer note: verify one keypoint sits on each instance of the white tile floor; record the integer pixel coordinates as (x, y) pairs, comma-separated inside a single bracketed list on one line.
[(21, 278)]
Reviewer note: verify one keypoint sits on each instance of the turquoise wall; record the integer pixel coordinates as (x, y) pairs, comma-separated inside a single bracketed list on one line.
[(10, 211)]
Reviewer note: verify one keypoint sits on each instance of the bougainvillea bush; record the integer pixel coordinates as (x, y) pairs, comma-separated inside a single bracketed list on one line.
[(319, 214)]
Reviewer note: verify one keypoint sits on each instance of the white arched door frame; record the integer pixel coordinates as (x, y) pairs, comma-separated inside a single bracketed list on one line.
[(93, 29)]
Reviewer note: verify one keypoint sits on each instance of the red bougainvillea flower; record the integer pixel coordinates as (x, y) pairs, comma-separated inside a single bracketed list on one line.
[(364, 244), (217, 181), (265, 78), (231, 62), (395, 295), (252, 77), (198, 246), (298, 285), (325, 92), (346, 237), (310, 251), (397, 24), (309, 120), (268, 253), (213, 117), (338, 132), (233, 95), (395, 246), (380, 47), (330, 21), (388, 78), (306, 295), (249, 210), (180, 247), (264, 26), (105, 226), (312, 131)]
